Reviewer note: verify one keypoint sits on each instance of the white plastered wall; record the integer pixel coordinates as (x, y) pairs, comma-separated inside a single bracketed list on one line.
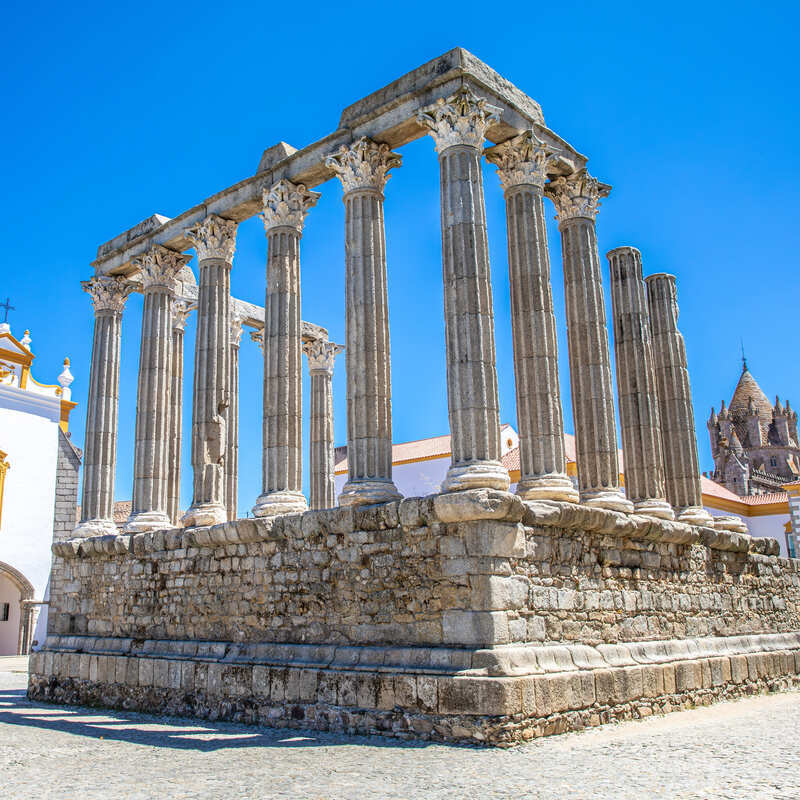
[(30, 438)]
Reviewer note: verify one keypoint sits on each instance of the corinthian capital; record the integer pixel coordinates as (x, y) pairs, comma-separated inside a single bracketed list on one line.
[(576, 195), (463, 118), (286, 205), (160, 267), (521, 161), (214, 237), (107, 293), (180, 313), (321, 355), (363, 165)]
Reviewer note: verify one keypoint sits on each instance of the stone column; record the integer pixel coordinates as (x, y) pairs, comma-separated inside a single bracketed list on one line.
[(363, 170), (681, 464), (285, 209), (180, 311), (521, 164), (577, 198), (158, 268), (321, 356), (458, 125), (232, 458), (636, 386), (215, 241), (102, 407)]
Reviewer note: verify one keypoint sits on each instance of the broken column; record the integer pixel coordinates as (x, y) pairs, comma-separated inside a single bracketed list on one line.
[(636, 386), (681, 463)]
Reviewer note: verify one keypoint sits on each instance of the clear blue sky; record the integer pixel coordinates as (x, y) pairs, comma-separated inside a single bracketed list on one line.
[(117, 111)]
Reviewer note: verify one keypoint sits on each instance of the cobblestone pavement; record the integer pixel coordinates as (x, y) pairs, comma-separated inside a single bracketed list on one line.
[(746, 749)]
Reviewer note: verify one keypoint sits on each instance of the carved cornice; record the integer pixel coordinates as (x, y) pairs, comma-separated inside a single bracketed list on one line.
[(214, 237), (107, 293), (521, 161), (159, 267), (180, 313), (576, 196), (364, 165), (286, 205), (463, 118), (321, 355)]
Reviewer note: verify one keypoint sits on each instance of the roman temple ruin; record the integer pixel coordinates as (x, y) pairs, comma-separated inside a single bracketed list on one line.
[(475, 614)]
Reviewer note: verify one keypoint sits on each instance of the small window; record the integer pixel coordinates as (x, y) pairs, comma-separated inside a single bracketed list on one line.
[(6, 609), (773, 462)]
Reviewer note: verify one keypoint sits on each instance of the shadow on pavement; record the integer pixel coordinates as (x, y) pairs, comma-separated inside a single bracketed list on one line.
[(177, 732)]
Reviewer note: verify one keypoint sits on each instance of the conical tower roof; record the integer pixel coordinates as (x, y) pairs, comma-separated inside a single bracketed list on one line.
[(748, 389)]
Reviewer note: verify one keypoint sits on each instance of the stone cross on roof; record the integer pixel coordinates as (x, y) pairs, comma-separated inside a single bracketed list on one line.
[(8, 307)]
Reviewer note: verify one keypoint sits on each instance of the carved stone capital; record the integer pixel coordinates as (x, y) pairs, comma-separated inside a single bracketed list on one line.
[(160, 267), (321, 355), (180, 313), (214, 237), (521, 161), (258, 337), (577, 195), (286, 205), (463, 118), (107, 293), (364, 165)]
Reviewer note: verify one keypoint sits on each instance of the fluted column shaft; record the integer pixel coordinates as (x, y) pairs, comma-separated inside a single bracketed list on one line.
[(576, 198), (636, 386), (102, 408), (321, 357), (214, 240), (458, 125), (158, 271), (180, 311), (681, 463), (232, 456), (521, 163), (285, 208), (362, 169)]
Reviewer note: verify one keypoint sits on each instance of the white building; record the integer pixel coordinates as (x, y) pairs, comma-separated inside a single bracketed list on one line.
[(419, 467), (38, 486)]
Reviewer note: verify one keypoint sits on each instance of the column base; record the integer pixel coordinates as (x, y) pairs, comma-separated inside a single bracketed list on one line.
[(95, 527), (476, 475), (273, 504), (555, 486), (654, 507), (610, 499), (696, 515), (147, 521), (204, 514), (368, 492), (733, 524)]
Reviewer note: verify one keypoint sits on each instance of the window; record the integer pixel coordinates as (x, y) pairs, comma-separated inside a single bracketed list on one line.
[(6, 609), (773, 462)]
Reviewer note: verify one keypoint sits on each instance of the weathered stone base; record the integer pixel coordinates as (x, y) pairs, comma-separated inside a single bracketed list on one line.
[(435, 694)]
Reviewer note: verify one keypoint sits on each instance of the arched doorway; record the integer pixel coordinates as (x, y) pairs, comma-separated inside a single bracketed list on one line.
[(16, 611)]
